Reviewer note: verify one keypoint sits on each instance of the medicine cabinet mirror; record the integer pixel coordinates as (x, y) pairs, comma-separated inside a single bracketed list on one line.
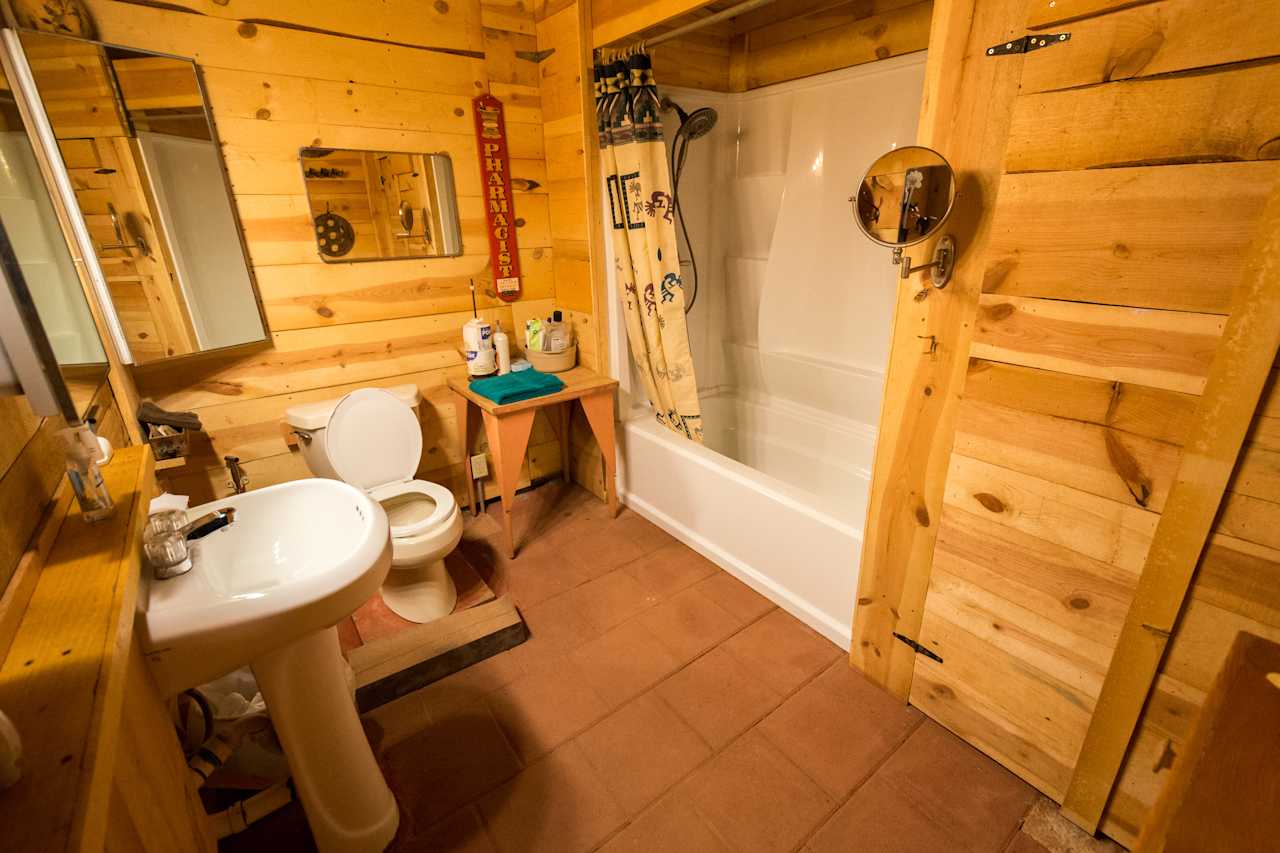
[(135, 135), (905, 197), (53, 353), (376, 205)]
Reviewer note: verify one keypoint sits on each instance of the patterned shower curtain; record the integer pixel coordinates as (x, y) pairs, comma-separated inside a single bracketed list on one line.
[(634, 160)]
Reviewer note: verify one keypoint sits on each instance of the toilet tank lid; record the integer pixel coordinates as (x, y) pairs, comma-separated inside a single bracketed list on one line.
[(316, 415)]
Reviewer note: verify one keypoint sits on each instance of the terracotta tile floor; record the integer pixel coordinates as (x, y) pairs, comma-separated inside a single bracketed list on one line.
[(661, 704)]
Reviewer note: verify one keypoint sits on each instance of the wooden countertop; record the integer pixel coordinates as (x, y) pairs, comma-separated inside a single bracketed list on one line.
[(66, 623), (578, 382)]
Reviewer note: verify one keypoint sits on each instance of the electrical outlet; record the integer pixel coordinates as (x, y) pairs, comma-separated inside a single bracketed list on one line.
[(479, 466)]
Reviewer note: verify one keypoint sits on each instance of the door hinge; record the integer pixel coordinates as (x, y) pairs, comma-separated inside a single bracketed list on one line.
[(916, 647), (1028, 43)]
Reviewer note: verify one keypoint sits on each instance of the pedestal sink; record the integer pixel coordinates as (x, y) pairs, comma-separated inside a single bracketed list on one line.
[(267, 590)]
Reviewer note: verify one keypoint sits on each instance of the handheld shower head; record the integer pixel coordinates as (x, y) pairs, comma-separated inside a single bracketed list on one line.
[(698, 123), (692, 125)]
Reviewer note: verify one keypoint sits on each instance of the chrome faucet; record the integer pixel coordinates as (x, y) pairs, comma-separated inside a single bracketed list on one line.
[(208, 523)]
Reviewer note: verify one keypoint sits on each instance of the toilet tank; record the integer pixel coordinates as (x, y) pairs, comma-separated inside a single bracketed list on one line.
[(311, 421)]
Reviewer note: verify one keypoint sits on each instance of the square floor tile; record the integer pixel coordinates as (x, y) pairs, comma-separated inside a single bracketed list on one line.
[(641, 750), (460, 832), (452, 761), (755, 799), (539, 572), (689, 623), (735, 596), (542, 710), (839, 728), (879, 819), (556, 627), (672, 825), (623, 662), (396, 720), (603, 549), (644, 533), (975, 800), (782, 650), (611, 599), (558, 805), (718, 696), (670, 569)]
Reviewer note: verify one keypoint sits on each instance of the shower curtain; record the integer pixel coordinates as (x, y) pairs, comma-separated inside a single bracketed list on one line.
[(634, 160)]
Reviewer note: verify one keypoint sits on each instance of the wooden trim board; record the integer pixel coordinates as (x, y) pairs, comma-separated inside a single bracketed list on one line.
[(415, 657), (1236, 379), (967, 115)]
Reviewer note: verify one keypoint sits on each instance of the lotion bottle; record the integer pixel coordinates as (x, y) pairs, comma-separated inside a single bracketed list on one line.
[(502, 344)]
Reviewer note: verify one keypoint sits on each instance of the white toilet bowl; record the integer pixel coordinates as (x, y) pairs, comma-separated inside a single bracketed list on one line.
[(371, 438)]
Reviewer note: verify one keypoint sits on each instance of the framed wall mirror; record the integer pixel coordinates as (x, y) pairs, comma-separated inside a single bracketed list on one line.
[(42, 282), (376, 205), (136, 137)]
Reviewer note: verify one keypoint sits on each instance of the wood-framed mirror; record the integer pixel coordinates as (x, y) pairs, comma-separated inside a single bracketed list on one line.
[(137, 138)]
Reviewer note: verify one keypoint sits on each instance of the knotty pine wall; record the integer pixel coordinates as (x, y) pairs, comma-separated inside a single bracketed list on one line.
[(1139, 157), (32, 466), (783, 40), (397, 75)]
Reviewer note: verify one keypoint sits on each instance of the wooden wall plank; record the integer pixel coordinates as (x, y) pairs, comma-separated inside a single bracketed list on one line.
[(890, 33), (1193, 118), (1240, 370), (1161, 349), (1154, 38), (1106, 530), (1088, 457), (613, 20), (1149, 412), (1170, 237)]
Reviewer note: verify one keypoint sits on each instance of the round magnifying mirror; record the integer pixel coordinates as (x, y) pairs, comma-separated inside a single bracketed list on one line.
[(905, 197)]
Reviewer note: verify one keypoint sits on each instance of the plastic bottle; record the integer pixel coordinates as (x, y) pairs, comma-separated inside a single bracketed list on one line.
[(503, 346)]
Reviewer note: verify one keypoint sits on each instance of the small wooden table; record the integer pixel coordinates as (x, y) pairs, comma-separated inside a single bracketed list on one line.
[(508, 427)]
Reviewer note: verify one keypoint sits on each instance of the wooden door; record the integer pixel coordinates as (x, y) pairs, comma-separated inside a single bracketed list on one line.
[(1025, 465)]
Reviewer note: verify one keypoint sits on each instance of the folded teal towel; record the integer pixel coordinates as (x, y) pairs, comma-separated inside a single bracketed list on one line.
[(517, 386)]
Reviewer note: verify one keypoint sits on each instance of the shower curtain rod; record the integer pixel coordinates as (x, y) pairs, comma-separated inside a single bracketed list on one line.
[(731, 12)]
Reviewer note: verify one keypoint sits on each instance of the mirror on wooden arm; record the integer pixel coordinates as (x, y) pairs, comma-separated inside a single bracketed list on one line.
[(135, 135), (904, 199), (375, 205)]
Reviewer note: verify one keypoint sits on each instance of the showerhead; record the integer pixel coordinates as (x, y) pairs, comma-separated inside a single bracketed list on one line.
[(698, 123), (692, 125)]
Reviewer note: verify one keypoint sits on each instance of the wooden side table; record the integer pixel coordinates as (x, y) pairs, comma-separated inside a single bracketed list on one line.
[(508, 427)]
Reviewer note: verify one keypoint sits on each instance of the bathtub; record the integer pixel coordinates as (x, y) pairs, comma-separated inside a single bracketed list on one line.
[(776, 496)]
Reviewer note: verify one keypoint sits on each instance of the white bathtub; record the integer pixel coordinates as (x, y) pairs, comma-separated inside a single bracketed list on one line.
[(777, 497)]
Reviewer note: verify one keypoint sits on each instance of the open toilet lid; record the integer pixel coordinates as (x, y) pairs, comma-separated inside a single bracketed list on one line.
[(373, 439)]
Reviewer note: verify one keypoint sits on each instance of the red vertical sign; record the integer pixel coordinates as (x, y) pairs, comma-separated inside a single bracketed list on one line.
[(495, 173)]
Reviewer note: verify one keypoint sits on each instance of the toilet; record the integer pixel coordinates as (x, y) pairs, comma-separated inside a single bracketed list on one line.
[(371, 439)]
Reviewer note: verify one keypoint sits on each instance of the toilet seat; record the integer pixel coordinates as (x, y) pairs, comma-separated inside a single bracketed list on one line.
[(375, 442), (425, 506)]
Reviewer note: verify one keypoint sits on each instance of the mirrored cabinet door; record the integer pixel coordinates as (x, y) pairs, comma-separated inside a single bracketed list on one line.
[(39, 250), (135, 134)]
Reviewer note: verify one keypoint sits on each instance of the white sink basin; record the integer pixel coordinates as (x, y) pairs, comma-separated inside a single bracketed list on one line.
[(299, 557), (267, 590)]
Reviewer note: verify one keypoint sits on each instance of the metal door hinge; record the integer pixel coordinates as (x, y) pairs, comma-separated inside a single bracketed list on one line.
[(916, 647), (1028, 43)]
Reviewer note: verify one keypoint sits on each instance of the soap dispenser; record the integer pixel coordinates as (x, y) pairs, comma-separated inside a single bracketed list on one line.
[(83, 451)]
